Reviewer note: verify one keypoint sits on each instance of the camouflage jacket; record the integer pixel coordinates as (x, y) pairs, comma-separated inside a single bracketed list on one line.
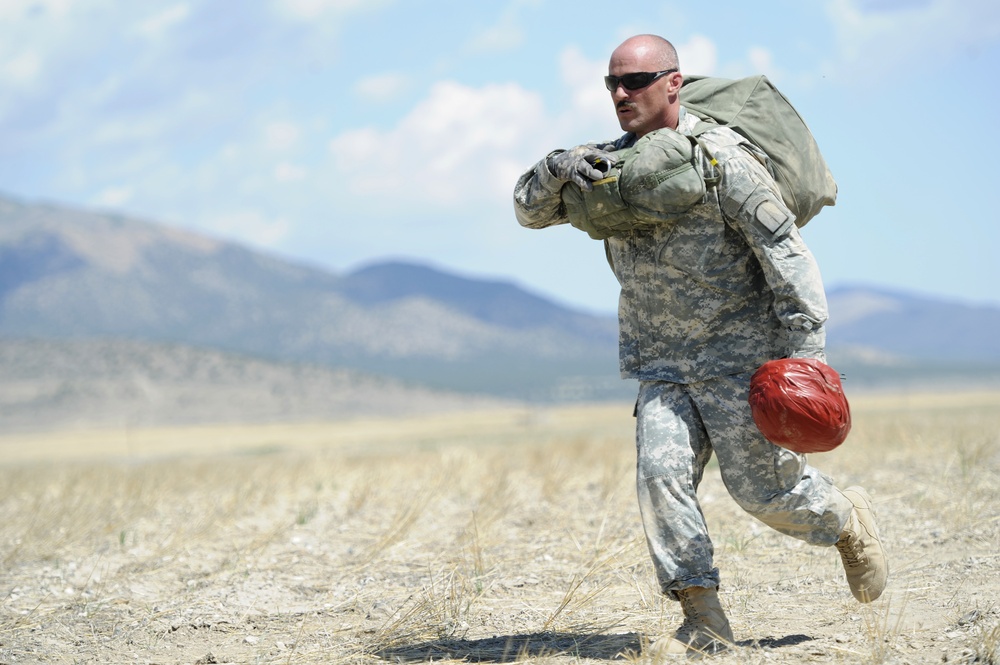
[(723, 288)]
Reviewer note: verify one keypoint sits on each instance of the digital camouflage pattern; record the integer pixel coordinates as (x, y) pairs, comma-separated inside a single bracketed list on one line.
[(722, 289), (705, 300), (678, 426)]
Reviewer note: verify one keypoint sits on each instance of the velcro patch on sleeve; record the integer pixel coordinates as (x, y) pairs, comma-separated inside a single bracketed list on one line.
[(774, 218)]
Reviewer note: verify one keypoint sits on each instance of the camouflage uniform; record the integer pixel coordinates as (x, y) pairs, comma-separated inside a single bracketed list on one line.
[(705, 300)]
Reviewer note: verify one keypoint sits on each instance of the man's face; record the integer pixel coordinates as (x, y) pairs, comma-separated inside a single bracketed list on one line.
[(646, 109)]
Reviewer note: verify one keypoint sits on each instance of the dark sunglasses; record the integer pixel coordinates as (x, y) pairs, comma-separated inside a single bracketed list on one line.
[(634, 81)]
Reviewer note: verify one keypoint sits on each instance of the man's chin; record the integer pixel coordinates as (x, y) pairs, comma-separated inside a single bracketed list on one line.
[(629, 126)]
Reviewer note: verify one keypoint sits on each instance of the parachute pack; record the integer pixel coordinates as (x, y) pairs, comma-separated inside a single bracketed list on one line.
[(755, 109), (654, 181)]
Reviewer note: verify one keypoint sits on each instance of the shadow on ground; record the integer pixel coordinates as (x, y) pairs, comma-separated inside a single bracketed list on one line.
[(511, 648), (775, 642)]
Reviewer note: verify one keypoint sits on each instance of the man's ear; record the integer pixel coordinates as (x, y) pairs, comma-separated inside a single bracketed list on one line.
[(674, 81)]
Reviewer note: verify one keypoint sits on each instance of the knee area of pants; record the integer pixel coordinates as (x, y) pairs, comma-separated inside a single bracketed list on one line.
[(754, 503), (755, 493), (650, 466)]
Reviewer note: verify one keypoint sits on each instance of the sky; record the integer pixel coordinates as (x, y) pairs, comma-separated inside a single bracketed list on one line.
[(340, 133)]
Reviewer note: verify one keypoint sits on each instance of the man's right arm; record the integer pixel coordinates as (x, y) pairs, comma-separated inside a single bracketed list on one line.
[(537, 203)]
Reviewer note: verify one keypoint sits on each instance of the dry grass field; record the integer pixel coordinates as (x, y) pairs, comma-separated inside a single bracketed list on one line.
[(496, 537)]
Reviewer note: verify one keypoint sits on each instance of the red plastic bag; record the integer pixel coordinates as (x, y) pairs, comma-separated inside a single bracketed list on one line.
[(799, 404)]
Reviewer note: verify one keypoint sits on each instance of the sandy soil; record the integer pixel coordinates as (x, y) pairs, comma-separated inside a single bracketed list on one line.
[(508, 536)]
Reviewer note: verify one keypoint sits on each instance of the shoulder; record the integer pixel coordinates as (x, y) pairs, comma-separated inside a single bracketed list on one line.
[(718, 137), (721, 137), (732, 150)]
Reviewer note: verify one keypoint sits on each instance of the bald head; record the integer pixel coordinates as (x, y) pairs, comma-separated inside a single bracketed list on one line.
[(655, 105), (655, 50)]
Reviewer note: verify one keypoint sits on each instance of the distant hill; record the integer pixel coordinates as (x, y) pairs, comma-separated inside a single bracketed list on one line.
[(880, 338), (46, 384), (500, 303), (71, 275), (912, 326), (74, 274)]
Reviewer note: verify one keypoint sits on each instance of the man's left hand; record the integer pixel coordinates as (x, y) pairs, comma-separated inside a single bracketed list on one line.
[(581, 165)]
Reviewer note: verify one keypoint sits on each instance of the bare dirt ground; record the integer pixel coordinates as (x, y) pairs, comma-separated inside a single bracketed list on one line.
[(499, 537)]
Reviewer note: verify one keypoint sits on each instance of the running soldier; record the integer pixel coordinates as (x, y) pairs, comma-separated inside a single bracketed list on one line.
[(706, 298)]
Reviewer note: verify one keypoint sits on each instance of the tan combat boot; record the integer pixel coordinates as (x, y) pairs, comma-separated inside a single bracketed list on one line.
[(861, 550), (705, 629)]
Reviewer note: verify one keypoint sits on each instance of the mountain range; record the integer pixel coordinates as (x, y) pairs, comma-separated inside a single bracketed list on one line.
[(71, 275)]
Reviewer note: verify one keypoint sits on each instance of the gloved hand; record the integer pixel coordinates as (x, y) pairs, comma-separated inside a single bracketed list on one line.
[(581, 165)]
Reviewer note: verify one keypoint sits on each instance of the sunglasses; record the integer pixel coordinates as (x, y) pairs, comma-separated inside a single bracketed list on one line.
[(634, 81)]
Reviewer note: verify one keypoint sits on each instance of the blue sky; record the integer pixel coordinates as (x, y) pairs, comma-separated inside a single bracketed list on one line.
[(342, 132)]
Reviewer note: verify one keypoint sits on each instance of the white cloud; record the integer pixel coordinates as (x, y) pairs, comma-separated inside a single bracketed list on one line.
[(588, 113), (585, 78), (463, 144), (698, 55), (460, 144)]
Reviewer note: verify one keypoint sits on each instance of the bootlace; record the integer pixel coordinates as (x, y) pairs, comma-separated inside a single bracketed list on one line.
[(691, 621), (695, 623), (852, 550)]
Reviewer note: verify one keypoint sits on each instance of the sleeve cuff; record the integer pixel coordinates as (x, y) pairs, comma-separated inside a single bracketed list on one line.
[(807, 343), (548, 182)]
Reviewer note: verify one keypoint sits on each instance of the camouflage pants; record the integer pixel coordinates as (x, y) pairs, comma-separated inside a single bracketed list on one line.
[(678, 426)]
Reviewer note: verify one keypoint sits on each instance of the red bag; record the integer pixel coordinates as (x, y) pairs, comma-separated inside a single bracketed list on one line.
[(799, 404)]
